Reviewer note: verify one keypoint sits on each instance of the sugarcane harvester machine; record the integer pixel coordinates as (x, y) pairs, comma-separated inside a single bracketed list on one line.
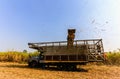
[(67, 54)]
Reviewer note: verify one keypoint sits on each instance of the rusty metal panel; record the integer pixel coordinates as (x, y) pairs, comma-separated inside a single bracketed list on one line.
[(91, 48)]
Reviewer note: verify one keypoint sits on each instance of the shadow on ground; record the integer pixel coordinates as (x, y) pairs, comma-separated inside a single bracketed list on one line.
[(56, 69), (48, 68)]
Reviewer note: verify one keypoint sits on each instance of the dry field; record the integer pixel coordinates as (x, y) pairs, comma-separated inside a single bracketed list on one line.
[(21, 71)]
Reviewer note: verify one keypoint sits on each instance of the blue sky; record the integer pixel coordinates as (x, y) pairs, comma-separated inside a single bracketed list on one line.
[(23, 21)]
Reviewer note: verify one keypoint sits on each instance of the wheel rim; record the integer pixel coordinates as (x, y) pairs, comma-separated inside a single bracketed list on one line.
[(33, 64)]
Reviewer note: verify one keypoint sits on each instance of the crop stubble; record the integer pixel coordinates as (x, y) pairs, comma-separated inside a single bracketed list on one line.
[(21, 71)]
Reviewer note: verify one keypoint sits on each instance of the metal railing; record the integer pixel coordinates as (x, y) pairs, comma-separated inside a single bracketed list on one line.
[(92, 47)]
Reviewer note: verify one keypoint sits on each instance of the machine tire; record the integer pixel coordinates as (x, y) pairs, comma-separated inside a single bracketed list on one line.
[(71, 67), (33, 64), (59, 67)]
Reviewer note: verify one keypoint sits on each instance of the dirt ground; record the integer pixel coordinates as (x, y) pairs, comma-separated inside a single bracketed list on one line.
[(21, 71)]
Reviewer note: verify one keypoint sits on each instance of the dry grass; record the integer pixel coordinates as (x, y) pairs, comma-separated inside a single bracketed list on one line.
[(21, 71), (15, 56)]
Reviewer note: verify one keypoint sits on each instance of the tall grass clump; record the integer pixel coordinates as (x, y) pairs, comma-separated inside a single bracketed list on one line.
[(15, 56), (113, 58)]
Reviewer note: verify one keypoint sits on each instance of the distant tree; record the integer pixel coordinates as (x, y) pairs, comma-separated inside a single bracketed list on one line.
[(119, 49), (24, 51)]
